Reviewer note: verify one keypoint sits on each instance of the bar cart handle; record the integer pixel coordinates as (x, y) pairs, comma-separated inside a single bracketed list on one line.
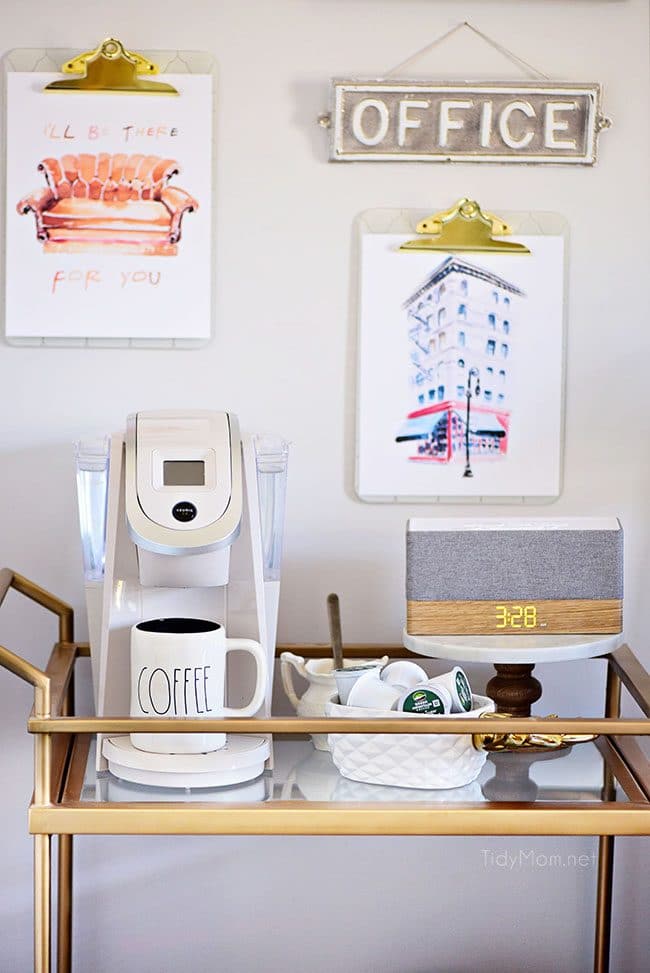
[(31, 674), (11, 579), (15, 663)]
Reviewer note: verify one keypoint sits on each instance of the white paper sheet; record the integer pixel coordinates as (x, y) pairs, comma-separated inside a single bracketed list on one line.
[(500, 315), (96, 289)]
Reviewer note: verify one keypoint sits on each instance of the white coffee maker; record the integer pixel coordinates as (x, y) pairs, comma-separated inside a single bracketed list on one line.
[(181, 517)]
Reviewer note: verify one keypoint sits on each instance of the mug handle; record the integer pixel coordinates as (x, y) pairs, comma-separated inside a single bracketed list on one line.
[(256, 650)]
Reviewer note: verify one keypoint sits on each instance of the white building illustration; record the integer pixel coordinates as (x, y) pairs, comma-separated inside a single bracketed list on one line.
[(462, 331)]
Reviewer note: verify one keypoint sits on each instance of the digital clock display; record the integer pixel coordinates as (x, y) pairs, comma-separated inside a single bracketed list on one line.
[(516, 616)]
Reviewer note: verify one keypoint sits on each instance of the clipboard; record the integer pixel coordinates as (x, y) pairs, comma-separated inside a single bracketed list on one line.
[(461, 333), (108, 199)]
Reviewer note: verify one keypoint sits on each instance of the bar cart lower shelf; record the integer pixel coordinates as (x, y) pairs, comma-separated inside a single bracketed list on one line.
[(600, 788)]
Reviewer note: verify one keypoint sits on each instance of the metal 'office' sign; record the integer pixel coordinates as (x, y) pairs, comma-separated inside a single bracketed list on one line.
[(530, 122)]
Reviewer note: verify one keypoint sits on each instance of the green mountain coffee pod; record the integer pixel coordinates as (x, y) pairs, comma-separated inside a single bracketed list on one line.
[(426, 700), (458, 687)]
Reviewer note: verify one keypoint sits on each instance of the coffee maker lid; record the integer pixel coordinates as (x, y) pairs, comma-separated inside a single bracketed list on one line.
[(183, 480)]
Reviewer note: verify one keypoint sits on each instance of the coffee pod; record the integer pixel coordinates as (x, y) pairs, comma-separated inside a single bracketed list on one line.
[(371, 692), (458, 687), (427, 699), (346, 678), (403, 674)]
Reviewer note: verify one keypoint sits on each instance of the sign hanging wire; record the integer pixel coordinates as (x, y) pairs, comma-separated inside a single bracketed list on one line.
[(519, 61)]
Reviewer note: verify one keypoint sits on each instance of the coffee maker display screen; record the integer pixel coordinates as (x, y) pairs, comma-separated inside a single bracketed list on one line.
[(183, 472)]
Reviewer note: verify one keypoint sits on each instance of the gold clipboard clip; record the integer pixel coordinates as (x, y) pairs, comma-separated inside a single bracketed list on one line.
[(464, 227), (111, 68)]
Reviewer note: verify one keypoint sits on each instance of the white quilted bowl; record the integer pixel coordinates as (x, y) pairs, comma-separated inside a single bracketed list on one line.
[(420, 760)]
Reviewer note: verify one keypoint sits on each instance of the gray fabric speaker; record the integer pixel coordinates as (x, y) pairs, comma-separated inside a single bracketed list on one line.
[(569, 572)]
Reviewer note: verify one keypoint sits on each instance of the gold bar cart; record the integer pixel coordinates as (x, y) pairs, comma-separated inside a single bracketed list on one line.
[(62, 804)]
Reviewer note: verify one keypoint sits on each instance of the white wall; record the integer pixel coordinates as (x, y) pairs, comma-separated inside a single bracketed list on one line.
[(283, 237)]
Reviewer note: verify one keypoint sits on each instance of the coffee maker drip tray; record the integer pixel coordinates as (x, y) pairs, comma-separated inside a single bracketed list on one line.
[(243, 758)]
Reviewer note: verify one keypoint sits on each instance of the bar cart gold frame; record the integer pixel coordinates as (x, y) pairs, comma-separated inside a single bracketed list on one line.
[(62, 741)]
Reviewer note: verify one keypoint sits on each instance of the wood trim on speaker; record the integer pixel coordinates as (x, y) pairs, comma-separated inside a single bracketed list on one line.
[(548, 617)]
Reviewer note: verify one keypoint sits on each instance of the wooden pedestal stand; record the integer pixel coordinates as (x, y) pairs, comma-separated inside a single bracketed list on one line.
[(514, 689)]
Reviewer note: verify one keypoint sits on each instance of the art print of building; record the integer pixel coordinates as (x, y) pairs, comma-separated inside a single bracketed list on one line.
[(462, 337)]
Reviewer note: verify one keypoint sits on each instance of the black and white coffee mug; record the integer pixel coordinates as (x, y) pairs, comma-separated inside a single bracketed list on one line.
[(178, 669)]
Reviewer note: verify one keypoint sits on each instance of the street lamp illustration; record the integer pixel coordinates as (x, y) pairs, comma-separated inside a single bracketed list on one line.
[(473, 373)]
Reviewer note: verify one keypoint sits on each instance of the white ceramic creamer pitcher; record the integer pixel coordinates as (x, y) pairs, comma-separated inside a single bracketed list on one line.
[(321, 685)]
